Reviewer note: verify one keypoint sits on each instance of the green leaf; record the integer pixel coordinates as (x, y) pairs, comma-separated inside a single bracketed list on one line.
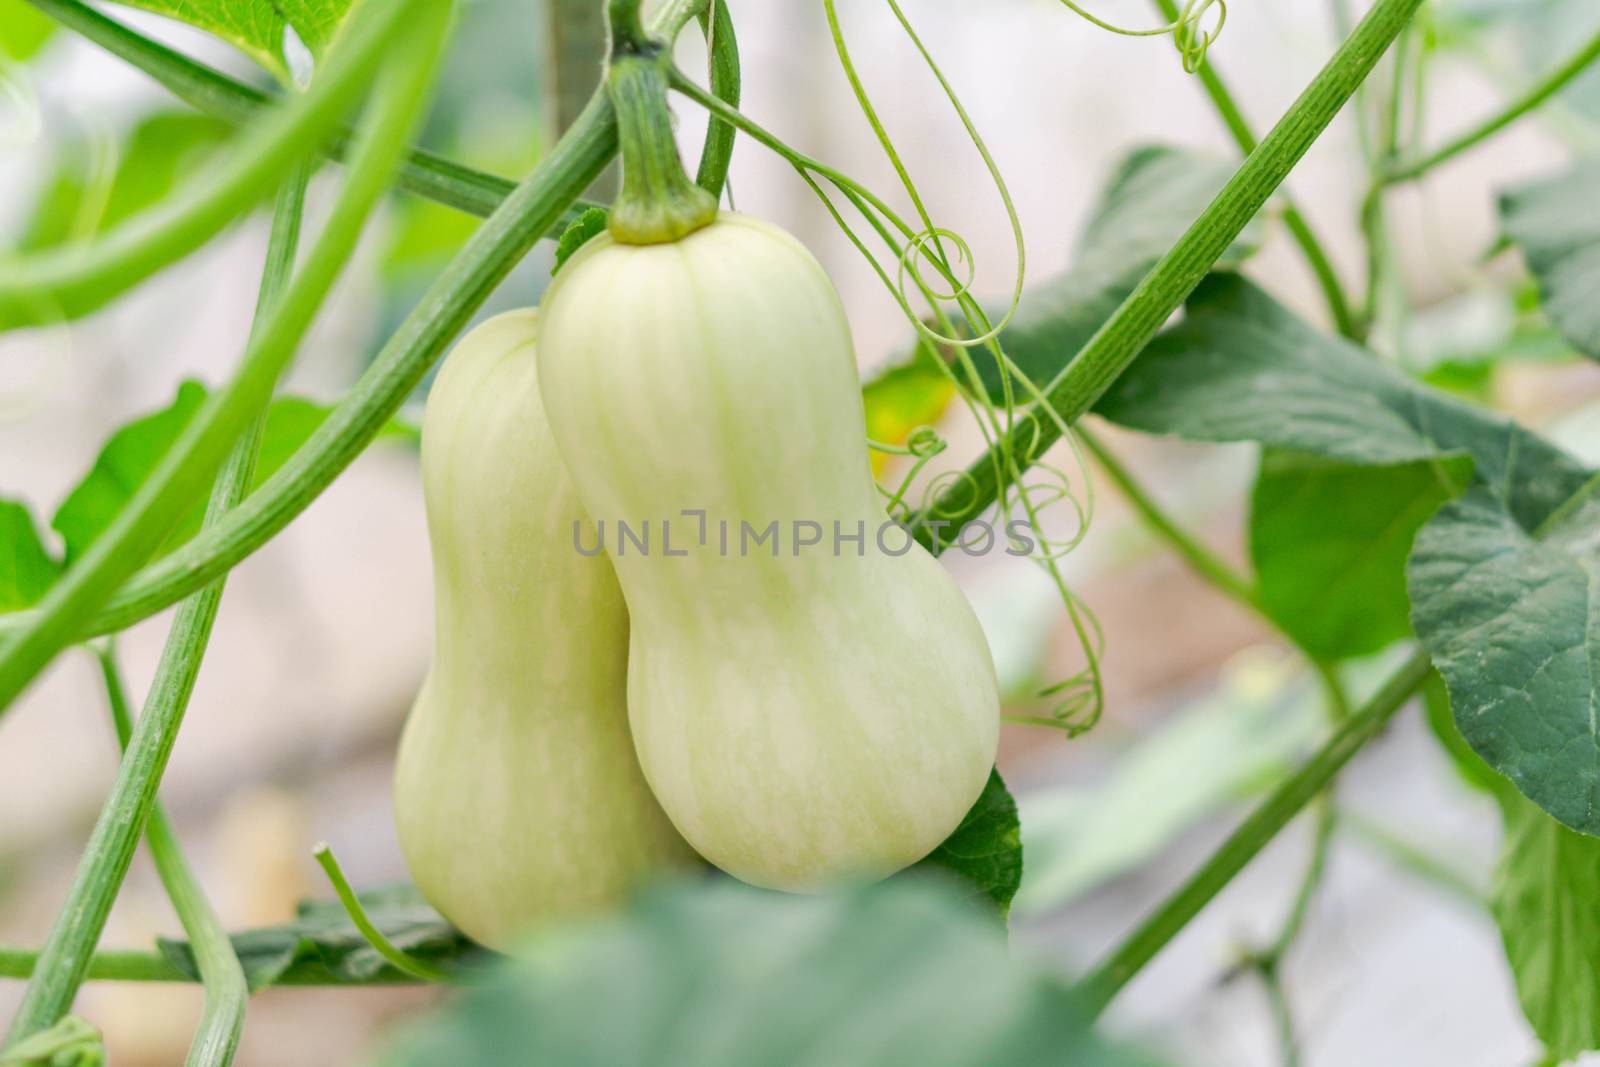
[(1508, 611), (985, 851), (1152, 198), (23, 30), (1556, 224), (1544, 903), (132, 453), (722, 974), (322, 943), (27, 569), (257, 27), (1330, 542), (585, 227), (1499, 579), (124, 462), (79, 200)]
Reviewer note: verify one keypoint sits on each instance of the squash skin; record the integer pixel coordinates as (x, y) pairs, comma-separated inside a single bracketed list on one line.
[(804, 720), (518, 797)]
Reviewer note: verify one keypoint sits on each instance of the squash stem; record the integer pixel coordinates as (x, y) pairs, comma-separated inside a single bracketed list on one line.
[(658, 202)]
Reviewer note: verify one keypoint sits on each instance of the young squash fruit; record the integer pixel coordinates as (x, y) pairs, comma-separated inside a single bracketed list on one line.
[(805, 714), (517, 793)]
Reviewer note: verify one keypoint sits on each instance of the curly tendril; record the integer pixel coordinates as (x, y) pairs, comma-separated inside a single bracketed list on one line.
[(1188, 31), (953, 338)]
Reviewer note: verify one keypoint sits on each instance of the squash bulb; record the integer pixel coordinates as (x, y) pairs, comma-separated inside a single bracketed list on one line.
[(517, 793), (805, 714)]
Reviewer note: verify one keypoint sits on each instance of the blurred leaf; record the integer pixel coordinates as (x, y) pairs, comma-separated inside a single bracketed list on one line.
[(1330, 541), (323, 944), (1203, 758), (1499, 579), (88, 195), (124, 462), (27, 569), (985, 851), (133, 452), (727, 975), (901, 397), (585, 227), (257, 27), (1556, 223), (72, 1042), (1544, 902), (23, 30), (1152, 198)]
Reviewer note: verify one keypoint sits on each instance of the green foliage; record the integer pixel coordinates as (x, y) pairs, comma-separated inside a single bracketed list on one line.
[(1498, 579), (985, 851), (590, 224), (257, 27), (1151, 199), (1544, 902), (23, 30), (26, 567), (86, 195), (728, 975), (1330, 540), (131, 453), (322, 944), (1556, 224)]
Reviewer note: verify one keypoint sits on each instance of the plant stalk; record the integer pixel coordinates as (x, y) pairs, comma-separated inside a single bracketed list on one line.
[(1103, 983)]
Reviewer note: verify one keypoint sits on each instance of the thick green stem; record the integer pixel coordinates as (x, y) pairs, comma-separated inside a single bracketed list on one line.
[(1117, 343), (1541, 91), (44, 286), (1101, 985), (1299, 228), (658, 203), (530, 211), (398, 100)]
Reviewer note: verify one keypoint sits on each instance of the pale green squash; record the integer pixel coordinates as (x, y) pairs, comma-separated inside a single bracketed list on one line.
[(517, 793), (804, 719)]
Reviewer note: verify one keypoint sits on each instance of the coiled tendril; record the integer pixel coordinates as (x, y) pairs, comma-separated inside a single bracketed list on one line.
[(1028, 487), (1188, 31)]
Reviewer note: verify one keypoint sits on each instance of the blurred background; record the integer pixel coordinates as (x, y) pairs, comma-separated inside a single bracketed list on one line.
[(325, 633)]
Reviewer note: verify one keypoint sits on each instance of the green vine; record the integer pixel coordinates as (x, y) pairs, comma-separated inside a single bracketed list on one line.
[(397, 105)]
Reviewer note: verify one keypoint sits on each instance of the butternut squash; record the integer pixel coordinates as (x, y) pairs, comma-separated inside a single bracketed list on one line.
[(517, 794), (805, 716)]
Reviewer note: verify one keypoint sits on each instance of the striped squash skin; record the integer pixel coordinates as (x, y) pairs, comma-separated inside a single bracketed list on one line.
[(804, 719), (518, 797)]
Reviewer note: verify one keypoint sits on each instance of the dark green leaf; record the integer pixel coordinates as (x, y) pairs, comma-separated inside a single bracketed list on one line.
[(1556, 223), (26, 567), (322, 943), (1544, 902), (1330, 541), (590, 224), (1508, 612), (133, 452), (985, 851), (722, 974), (1499, 579), (1153, 197)]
